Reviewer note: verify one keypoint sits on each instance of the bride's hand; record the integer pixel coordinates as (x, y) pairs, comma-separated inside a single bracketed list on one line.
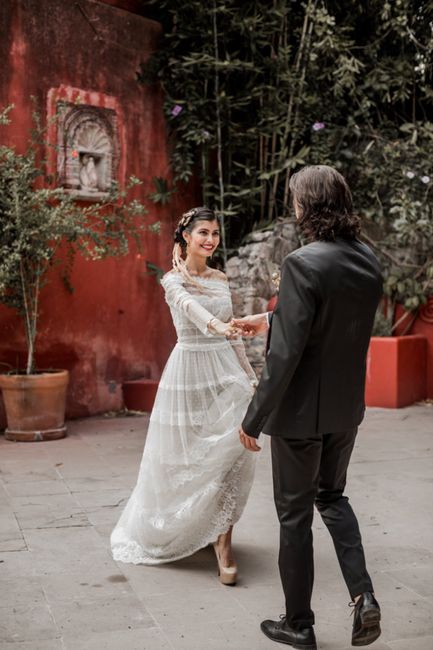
[(218, 328)]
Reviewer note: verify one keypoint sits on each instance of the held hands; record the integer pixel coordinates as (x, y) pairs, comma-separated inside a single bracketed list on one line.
[(218, 328), (248, 442), (250, 326)]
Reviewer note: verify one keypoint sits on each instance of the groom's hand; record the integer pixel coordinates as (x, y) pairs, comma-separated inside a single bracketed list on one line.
[(252, 325), (248, 442)]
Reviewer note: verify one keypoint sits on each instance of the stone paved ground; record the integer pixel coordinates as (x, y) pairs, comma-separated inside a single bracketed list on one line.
[(60, 589)]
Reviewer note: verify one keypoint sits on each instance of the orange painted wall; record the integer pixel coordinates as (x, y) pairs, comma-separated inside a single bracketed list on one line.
[(116, 325)]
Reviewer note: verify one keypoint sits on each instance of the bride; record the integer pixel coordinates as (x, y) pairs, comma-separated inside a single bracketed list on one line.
[(195, 476)]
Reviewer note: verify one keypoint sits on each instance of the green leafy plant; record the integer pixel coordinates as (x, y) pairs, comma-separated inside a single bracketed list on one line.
[(402, 216), (162, 194), (36, 220), (154, 270), (382, 325), (254, 90)]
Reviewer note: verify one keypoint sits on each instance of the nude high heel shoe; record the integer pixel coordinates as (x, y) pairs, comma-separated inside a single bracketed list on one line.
[(228, 575)]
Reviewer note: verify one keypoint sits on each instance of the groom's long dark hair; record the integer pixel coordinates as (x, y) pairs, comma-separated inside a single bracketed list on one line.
[(325, 204)]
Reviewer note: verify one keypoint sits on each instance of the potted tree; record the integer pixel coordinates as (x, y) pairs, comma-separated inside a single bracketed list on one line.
[(37, 222)]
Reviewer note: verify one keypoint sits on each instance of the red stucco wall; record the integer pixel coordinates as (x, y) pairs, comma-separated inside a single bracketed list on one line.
[(116, 325)]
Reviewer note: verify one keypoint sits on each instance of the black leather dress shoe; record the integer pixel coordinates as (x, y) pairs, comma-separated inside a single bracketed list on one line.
[(366, 620), (279, 631)]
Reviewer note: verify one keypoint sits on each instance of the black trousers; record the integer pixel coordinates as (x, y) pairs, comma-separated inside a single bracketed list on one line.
[(306, 473)]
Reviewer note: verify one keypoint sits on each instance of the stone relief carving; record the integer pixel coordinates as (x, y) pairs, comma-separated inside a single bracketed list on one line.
[(88, 174), (88, 150)]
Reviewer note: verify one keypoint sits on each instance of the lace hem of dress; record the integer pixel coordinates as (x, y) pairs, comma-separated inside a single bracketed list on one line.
[(231, 502)]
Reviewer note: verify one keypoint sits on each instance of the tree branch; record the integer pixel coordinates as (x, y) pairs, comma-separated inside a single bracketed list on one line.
[(385, 253)]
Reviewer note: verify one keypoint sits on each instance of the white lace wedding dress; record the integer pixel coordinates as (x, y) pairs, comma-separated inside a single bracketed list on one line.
[(195, 476)]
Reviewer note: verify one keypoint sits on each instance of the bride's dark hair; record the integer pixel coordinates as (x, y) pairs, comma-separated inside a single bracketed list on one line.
[(186, 224)]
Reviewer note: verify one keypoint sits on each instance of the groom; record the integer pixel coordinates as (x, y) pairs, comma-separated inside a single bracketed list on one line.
[(310, 398)]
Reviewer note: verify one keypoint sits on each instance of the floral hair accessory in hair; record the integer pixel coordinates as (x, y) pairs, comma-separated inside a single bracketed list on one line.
[(184, 222), (180, 246), (187, 216)]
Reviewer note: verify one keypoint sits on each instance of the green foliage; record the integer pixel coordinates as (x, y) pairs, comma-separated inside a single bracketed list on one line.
[(36, 219), (393, 180), (162, 194), (154, 270), (254, 90), (383, 322)]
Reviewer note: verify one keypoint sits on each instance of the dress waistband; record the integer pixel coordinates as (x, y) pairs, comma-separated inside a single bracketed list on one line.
[(202, 346)]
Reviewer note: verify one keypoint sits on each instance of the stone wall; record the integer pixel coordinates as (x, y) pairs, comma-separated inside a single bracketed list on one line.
[(250, 276)]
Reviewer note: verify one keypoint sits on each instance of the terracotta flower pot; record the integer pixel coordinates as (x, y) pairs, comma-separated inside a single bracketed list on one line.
[(139, 394), (422, 324), (3, 423), (396, 371), (35, 405), (272, 303)]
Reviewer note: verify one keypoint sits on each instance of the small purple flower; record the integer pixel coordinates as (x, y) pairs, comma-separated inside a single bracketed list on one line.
[(176, 110), (318, 126), (205, 134), (410, 174), (425, 179)]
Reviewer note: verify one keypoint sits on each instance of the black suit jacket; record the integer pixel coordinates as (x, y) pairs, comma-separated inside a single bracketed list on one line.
[(314, 377)]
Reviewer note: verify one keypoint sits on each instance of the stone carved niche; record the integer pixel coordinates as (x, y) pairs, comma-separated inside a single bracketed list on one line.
[(88, 150)]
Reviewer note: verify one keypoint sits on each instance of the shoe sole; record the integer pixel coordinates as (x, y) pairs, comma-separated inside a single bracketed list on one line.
[(370, 628), (227, 581), (297, 646)]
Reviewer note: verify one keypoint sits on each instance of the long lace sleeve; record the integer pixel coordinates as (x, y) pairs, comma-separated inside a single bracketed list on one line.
[(178, 297), (239, 349)]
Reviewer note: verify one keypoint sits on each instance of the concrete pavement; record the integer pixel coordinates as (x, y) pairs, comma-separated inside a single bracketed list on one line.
[(61, 590)]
